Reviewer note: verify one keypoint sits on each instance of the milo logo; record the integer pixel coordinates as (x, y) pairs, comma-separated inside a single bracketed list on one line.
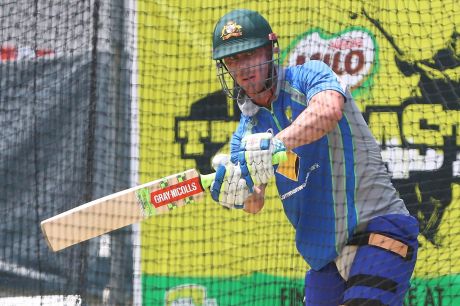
[(351, 53)]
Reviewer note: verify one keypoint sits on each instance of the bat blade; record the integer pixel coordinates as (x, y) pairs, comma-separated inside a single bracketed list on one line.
[(123, 208)]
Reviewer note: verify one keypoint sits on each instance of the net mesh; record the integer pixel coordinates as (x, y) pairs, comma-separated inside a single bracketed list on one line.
[(98, 96)]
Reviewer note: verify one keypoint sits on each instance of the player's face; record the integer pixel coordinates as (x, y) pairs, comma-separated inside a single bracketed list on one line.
[(250, 69)]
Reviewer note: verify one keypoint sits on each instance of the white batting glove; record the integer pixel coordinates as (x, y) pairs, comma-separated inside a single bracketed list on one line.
[(255, 157), (229, 189)]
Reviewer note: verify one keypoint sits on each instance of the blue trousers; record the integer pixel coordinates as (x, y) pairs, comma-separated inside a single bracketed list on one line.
[(377, 276)]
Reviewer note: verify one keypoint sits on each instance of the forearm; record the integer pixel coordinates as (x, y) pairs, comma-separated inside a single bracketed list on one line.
[(318, 119)]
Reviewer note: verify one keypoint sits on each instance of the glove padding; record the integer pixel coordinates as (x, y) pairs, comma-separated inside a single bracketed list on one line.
[(255, 158), (229, 188)]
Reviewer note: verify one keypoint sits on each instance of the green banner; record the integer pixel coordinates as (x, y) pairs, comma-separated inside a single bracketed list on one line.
[(261, 289)]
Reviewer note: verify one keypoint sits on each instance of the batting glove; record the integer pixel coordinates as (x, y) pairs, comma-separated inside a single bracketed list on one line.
[(255, 158), (229, 188)]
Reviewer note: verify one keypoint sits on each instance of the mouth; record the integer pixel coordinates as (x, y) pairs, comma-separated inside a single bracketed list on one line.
[(249, 78)]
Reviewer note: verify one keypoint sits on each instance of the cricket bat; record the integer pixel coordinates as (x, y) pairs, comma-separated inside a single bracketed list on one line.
[(128, 207)]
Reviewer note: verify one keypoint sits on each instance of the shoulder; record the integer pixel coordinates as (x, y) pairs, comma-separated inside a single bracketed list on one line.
[(310, 69), (312, 76)]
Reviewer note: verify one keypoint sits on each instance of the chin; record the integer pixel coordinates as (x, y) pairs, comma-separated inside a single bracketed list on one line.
[(253, 90)]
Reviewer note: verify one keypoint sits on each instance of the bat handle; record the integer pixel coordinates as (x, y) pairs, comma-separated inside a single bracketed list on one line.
[(207, 179), (279, 157)]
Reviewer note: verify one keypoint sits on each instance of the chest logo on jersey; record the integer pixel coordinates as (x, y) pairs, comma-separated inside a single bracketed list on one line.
[(290, 168), (301, 187), (288, 113)]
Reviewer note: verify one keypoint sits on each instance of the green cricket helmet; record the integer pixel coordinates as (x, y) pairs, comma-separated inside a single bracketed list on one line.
[(241, 31)]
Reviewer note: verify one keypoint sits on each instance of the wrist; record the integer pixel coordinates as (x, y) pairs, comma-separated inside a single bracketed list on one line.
[(279, 144)]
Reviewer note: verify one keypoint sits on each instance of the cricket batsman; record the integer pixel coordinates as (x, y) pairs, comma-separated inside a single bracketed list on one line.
[(351, 227)]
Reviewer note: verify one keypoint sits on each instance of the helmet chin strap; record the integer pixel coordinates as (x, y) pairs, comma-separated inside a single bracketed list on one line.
[(269, 98)]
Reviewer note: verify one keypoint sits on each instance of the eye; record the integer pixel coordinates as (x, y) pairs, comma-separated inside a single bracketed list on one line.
[(231, 60)]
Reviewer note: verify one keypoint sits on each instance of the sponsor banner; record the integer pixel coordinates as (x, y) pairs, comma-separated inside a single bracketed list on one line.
[(16, 53), (255, 289), (352, 53), (436, 291), (404, 77), (262, 289)]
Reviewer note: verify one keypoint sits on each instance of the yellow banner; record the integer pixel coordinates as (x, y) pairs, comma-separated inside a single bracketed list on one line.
[(390, 53)]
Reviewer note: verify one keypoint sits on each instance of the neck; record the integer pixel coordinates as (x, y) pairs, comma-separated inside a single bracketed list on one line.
[(264, 98)]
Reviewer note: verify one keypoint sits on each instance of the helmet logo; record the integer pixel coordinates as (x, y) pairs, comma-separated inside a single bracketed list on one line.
[(231, 29)]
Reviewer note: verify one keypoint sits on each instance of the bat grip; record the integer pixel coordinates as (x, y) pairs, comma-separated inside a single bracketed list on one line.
[(206, 180), (279, 157)]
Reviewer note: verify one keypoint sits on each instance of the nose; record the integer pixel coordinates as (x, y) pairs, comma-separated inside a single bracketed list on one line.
[(240, 70), (244, 71)]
